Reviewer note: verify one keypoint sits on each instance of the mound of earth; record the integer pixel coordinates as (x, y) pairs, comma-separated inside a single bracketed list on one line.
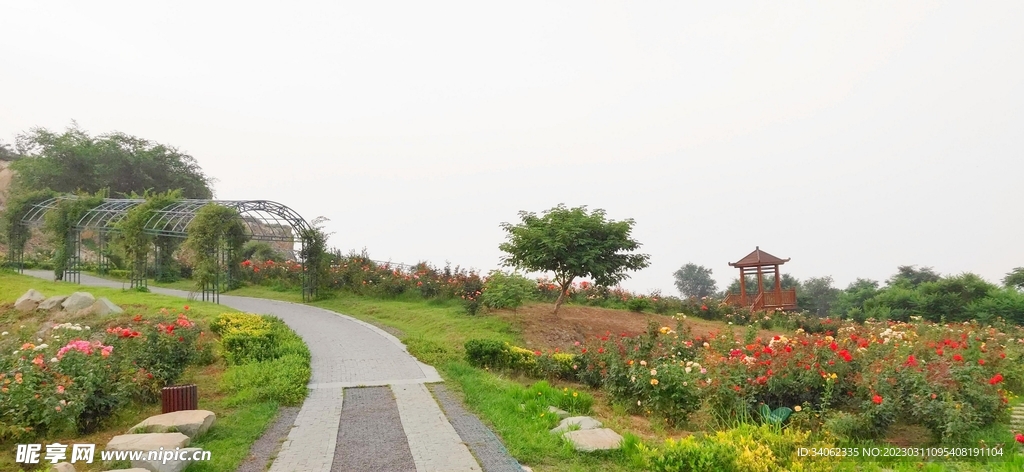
[(543, 330)]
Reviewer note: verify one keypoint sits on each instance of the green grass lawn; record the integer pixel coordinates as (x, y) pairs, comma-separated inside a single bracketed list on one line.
[(239, 423)]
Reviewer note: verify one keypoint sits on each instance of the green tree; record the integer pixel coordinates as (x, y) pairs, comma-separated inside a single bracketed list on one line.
[(910, 276), (1015, 279), (74, 161), (820, 294), (693, 280), (7, 153), (573, 243), (854, 296)]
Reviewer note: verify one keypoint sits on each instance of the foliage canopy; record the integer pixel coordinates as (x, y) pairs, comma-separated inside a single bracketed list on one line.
[(693, 280), (73, 161), (573, 243)]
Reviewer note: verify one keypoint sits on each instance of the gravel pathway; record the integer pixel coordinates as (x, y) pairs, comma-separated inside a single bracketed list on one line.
[(265, 447), (371, 435), (484, 444)]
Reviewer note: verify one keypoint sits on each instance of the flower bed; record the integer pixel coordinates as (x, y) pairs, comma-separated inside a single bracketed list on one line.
[(75, 377), (852, 380)]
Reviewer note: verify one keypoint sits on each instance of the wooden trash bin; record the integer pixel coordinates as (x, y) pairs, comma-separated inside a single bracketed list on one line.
[(179, 397)]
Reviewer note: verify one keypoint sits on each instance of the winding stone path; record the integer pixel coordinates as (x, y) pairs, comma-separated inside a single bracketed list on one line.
[(348, 353)]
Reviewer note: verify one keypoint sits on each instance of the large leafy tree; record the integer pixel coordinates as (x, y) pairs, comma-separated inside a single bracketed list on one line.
[(910, 276), (573, 243), (74, 161), (1015, 279), (820, 294), (693, 280)]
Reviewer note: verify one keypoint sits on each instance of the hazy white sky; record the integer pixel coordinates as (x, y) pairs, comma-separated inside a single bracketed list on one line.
[(850, 136)]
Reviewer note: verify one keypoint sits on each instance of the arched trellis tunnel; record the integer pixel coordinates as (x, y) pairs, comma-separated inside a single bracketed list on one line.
[(263, 220)]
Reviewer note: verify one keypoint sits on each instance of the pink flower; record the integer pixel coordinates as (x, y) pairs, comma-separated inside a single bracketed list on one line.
[(60, 389)]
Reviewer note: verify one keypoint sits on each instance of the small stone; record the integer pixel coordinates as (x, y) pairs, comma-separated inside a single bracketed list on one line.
[(52, 302), (29, 301), (161, 465), (594, 439), (62, 467), (147, 442), (584, 422), (105, 307), (562, 414), (78, 301), (191, 423)]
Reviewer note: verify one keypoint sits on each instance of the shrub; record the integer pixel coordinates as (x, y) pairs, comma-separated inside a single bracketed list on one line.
[(161, 347), (506, 290), (638, 304), (281, 380), (485, 352)]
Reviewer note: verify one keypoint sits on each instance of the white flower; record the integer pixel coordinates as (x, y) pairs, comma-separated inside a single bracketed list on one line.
[(54, 359), (638, 403), (87, 327), (5, 333), (39, 340), (707, 345), (684, 384), (688, 369), (633, 379), (15, 353), (41, 346), (654, 372)]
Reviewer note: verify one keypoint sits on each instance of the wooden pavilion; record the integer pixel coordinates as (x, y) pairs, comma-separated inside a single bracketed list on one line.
[(758, 262)]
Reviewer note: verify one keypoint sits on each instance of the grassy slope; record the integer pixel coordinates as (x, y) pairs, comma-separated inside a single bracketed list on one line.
[(237, 425)]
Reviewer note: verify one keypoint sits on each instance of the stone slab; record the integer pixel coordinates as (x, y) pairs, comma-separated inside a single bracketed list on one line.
[(52, 302), (584, 423), (160, 465), (103, 306), (78, 301), (594, 439), (147, 442), (191, 423), (562, 414), (62, 467)]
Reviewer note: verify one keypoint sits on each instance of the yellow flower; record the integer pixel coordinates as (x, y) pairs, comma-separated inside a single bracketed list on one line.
[(575, 394), (833, 375), (797, 408), (654, 381)]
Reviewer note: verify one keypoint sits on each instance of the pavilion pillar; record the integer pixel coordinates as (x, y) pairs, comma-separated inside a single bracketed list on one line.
[(760, 281), (778, 281), (743, 287)]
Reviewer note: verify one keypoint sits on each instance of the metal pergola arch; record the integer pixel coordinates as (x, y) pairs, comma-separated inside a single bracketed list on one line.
[(264, 220)]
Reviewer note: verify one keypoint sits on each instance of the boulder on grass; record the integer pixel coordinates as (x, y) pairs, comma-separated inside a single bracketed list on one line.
[(147, 442), (192, 423), (29, 301), (105, 307), (588, 440), (78, 301), (584, 422), (53, 302)]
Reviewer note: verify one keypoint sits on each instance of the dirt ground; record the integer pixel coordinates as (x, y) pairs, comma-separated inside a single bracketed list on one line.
[(543, 330)]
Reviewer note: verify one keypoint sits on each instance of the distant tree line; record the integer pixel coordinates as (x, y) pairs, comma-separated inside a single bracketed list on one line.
[(912, 291)]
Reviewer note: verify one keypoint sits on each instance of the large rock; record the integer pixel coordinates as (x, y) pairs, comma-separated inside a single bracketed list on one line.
[(52, 302), (161, 465), (192, 423), (78, 301), (29, 301), (62, 467), (147, 442), (584, 422), (105, 307), (594, 439), (562, 414)]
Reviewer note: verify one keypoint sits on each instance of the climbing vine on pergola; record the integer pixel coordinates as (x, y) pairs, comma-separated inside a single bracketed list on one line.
[(165, 221)]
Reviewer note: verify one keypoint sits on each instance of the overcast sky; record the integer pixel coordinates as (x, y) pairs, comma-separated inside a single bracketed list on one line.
[(852, 137)]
